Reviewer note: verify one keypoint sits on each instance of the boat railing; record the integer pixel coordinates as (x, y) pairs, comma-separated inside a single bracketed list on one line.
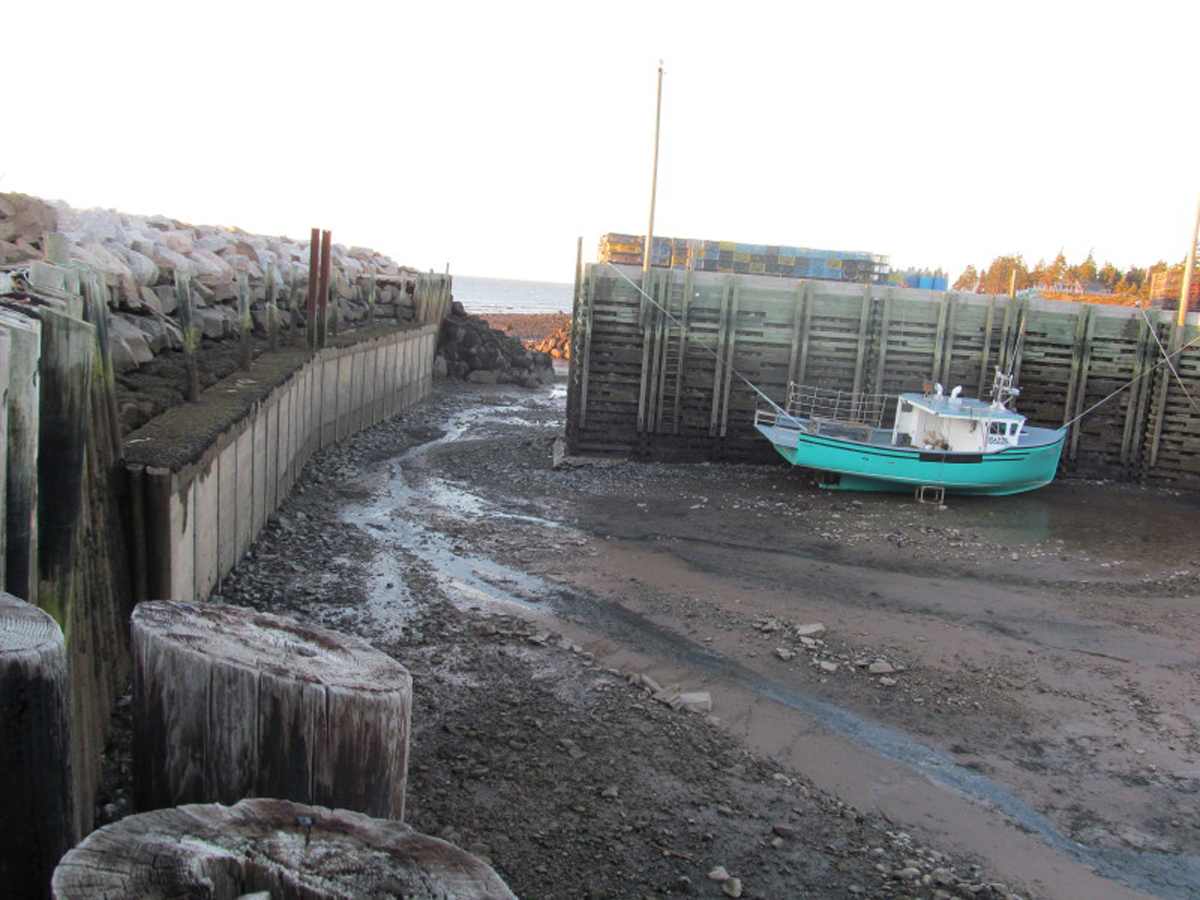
[(843, 407)]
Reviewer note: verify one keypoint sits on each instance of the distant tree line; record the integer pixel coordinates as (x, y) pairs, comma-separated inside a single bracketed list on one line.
[(1058, 276)]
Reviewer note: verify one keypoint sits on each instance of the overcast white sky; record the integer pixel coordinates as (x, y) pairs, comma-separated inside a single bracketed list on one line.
[(489, 136)]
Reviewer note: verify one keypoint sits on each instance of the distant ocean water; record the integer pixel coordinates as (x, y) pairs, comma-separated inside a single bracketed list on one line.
[(504, 295)]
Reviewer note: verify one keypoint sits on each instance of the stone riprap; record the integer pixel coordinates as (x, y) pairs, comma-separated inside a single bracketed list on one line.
[(139, 257)]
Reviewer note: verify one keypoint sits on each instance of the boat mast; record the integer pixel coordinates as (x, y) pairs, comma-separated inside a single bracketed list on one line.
[(648, 249)]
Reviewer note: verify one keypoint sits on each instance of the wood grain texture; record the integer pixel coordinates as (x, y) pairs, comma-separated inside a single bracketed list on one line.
[(232, 703), (293, 851), (37, 821)]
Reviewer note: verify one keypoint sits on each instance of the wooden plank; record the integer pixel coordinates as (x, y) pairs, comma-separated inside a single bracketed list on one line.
[(685, 306), (951, 301), (1165, 380), (885, 329), (1084, 364), (806, 330), (860, 349), (986, 352), (731, 344), (718, 374), (589, 304), (1131, 441)]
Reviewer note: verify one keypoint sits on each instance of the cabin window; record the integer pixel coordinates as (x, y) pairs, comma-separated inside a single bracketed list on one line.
[(996, 428), (905, 406), (1012, 429)]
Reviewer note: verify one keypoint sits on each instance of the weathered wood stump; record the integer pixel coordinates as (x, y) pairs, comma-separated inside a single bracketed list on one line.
[(292, 851), (232, 703), (36, 809)]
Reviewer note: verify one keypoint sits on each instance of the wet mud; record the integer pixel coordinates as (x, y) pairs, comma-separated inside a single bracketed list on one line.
[(1010, 681)]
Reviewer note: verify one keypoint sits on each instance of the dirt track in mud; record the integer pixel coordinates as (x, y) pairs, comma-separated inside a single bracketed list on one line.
[(1001, 690)]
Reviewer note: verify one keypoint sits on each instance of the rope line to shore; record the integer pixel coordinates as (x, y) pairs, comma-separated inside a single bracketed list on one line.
[(1166, 360)]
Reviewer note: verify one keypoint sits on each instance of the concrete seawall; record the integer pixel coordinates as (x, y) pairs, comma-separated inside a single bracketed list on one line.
[(200, 516)]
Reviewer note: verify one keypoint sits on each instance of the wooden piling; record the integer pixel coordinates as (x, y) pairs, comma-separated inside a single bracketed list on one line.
[(314, 286), (270, 848), (229, 702), (323, 288), (37, 815)]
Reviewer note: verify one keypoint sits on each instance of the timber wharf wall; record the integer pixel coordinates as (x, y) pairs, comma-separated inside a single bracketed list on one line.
[(93, 523), (671, 380)]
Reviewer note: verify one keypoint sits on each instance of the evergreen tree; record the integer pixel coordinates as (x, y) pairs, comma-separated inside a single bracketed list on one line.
[(1057, 272), (998, 277), (968, 280)]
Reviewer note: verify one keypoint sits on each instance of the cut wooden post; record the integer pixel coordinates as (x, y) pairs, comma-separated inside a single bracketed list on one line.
[(230, 703), (37, 819), (314, 282), (280, 848)]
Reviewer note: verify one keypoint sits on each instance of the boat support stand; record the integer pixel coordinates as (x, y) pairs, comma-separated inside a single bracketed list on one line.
[(931, 493)]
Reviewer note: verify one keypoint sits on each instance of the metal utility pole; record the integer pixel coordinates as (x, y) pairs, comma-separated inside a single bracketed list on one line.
[(1187, 269), (648, 249)]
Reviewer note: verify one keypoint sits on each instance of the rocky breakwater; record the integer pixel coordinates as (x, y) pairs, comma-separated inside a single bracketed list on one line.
[(139, 258), (558, 344), (469, 348)]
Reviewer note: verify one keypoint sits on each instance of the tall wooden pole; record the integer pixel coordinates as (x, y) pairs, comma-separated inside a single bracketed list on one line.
[(1188, 270), (323, 289), (314, 278), (648, 249)]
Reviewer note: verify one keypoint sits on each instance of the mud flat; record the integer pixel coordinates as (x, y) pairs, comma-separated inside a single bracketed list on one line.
[(990, 698)]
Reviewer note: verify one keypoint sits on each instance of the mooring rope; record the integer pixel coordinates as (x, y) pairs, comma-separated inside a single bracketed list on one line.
[(1166, 360), (779, 409)]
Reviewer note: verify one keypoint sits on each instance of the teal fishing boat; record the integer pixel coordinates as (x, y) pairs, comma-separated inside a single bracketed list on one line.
[(946, 442)]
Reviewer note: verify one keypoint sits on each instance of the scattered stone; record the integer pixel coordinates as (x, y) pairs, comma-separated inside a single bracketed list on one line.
[(826, 665), (881, 667), (719, 873), (785, 654), (732, 887), (810, 630)]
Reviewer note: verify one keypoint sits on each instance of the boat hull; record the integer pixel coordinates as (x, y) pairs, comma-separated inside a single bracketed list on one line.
[(872, 467)]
